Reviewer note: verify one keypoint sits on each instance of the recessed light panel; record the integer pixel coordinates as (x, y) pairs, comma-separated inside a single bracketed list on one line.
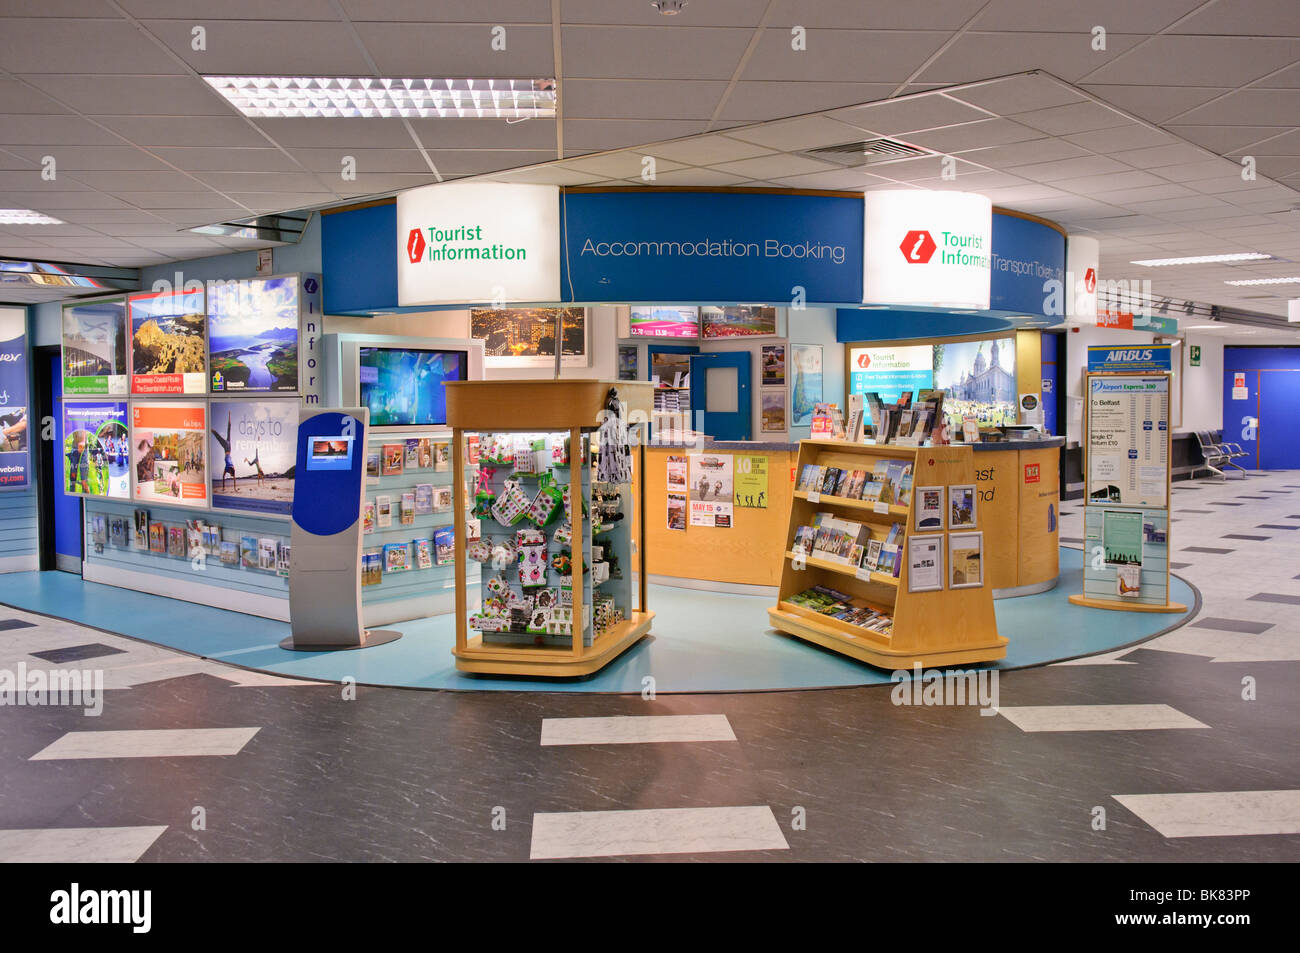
[(1203, 259), (324, 97), (26, 216)]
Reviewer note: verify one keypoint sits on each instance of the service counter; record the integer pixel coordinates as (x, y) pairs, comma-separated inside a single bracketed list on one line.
[(749, 553), (1019, 513)]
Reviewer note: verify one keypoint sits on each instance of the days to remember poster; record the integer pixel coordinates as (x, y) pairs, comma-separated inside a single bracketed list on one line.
[(96, 449), (711, 489), (168, 452), (252, 449)]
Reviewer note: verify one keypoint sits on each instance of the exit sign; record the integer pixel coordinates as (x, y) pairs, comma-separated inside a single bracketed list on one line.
[(1194, 354)]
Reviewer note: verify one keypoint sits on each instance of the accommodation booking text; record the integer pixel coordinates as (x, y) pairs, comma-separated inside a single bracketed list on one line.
[(718, 248)]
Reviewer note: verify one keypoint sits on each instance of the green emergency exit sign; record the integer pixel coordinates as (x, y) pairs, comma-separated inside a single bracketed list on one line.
[(1194, 354)]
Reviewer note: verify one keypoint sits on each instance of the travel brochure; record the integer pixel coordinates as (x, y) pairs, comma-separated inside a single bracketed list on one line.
[(94, 348), (96, 449), (253, 335), (253, 448), (168, 452), (851, 544), (193, 539), (168, 353), (889, 481), (844, 608)]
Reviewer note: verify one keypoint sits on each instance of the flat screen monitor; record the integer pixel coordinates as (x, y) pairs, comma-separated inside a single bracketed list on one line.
[(329, 452), (402, 387), (664, 322)]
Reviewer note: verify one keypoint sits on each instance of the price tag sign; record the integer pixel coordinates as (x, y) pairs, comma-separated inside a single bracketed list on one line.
[(814, 496), (863, 574), (881, 507)]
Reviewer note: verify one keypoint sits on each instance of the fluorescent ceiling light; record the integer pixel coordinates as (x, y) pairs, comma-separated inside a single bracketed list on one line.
[(323, 97), (1264, 281), (1202, 259), (26, 216)]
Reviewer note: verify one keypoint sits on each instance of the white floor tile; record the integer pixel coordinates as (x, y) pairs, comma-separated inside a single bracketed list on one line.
[(693, 830), (1218, 813), (1097, 718), (77, 845), (161, 743), (635, 729)]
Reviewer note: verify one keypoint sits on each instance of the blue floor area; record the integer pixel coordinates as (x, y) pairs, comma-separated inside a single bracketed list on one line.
[(700, 642)]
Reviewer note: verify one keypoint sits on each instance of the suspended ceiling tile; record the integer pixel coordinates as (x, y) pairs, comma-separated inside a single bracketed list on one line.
[(592, 135), (755, 100), (434, 50), (337, 133), (854, 14), (698, 177), (1024, 153), (1155, 103), (1199, 60), (723, 13), (373, 183), (1060, 169), (773, 166), (212, 131), (1018, 94), (1118, 16), (648, 99), (31, 45), (266, 181), (1190, 172), (1068, 56), (52, 202), (1255, 17), (251, 159), (91, 158), (1122, 138), (853, 56), (708, 150), (548, 175), (619, 165), (1226, 139), (116, 183), (1248, 107), (1073, 118), (260, 48), (53, 131), (179, 200), (477, 161), (901, 116), (134, 95), (17, 97), (794, 135), (331, 161), (684, 52), (1287, 144), (988, 132), (485, 133), (1159, 156)]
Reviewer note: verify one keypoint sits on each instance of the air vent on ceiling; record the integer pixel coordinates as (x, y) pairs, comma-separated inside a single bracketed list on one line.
[(867, 152)]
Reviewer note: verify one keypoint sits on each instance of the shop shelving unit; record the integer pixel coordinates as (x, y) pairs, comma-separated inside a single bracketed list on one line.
[(941, 627), (572, 407)]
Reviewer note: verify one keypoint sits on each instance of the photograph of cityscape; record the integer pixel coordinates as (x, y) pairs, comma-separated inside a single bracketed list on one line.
[(525, 337), (738, 321), (978, 379)]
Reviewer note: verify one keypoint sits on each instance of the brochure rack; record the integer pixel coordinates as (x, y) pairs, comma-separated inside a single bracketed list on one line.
[(573, 408), (943, 626)]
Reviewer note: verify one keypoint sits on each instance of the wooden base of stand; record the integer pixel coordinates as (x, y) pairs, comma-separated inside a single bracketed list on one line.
[(1125, 606), (874, 649), (545, 661)]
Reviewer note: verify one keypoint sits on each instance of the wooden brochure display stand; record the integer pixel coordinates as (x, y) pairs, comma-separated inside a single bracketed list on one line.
[(945, 626)]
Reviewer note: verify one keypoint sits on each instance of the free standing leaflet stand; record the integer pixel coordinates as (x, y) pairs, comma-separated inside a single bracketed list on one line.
[(544, 406), (1100, 585), (944, 626)]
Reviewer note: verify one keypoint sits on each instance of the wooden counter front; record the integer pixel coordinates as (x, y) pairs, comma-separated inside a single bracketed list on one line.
[(1019, 513), (750, 552)]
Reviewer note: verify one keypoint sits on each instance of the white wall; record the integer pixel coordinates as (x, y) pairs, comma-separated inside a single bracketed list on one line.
[(1203, 386)]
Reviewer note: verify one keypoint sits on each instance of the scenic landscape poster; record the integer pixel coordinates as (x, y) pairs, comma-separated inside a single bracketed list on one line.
[(742, 320), (525, 337), (168, 342), (253, 335), (252, 446), (168, 440), (94, 348), (805, 382), (96, 451)]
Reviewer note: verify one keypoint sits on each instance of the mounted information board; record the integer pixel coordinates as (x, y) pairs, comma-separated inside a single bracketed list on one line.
[(1128, 440)]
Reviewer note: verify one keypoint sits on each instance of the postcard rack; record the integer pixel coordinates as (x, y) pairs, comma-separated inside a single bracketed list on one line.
[(573, 408), (936, 627)]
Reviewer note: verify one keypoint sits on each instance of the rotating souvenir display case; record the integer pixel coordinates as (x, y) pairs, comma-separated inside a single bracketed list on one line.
[(553, 543)]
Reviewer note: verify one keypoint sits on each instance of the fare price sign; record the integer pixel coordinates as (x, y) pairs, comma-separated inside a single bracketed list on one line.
[(1128, 440)]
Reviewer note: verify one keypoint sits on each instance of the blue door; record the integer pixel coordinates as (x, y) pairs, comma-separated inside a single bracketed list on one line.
[(721, 388), (68, 535), (1240, 415), (1278, 439)]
